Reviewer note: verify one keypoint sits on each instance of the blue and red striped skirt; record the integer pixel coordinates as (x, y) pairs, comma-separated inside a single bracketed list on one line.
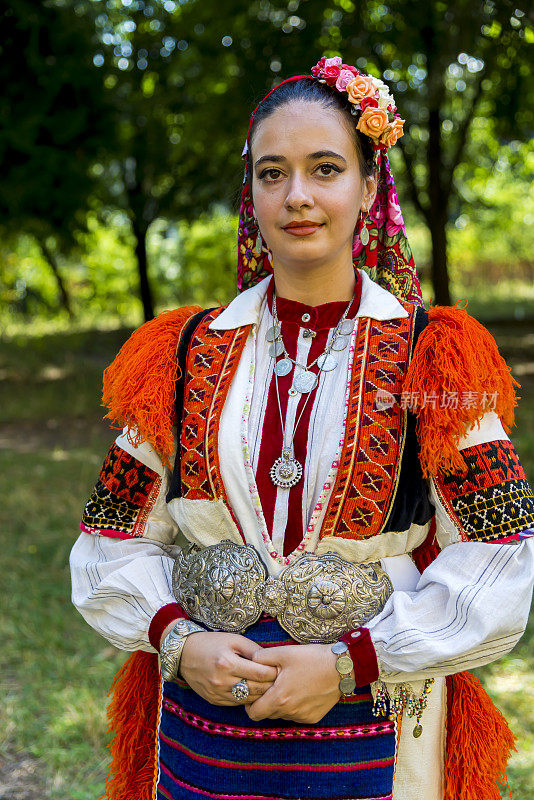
[(208, 751)]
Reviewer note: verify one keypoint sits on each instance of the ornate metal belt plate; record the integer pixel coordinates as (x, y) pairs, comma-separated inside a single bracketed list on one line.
[(316, 599)]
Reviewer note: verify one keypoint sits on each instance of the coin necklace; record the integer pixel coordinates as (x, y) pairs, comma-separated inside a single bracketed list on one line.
[(287, 470)]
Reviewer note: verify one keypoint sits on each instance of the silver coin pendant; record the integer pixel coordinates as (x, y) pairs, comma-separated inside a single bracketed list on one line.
[(364, 236), (276, 349), (273, 333), (283, 367), (305, 382), (347, 326), (327, 362), (340, 343)]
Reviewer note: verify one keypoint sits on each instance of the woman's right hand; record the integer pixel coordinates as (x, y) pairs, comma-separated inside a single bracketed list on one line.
[(213, 662)]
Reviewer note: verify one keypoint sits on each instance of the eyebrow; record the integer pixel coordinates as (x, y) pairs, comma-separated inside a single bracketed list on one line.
[(310, 157)]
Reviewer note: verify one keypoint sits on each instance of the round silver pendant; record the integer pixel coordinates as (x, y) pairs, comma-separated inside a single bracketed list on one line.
[(347, 326), (305, 381), (340, 343), (364, 236), (286, 472), (276, 349), (283, 367), (327, 362), (273, 333)]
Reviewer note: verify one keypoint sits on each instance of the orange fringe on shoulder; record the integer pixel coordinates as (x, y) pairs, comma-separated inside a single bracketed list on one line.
[(479, 742), (133, 718), (139, 385), (455, 354)]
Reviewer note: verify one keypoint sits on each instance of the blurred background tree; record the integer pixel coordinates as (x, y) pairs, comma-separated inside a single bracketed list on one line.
[(56, 123), (142, 109)]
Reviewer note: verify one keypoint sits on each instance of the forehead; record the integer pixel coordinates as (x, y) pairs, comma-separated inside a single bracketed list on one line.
[(299, 128)]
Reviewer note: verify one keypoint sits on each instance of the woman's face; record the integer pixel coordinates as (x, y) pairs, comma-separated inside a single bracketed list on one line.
[(307, 188)]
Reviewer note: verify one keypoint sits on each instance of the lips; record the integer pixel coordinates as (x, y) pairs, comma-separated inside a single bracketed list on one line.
[(304, 227), (303, 223)]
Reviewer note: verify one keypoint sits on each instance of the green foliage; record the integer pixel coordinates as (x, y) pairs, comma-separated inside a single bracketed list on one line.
[(49, 143)]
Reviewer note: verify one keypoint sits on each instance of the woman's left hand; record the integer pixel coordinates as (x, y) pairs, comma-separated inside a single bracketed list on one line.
[(306, 688)]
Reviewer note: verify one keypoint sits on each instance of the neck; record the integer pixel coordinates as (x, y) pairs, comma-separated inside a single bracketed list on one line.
[(315, 286)]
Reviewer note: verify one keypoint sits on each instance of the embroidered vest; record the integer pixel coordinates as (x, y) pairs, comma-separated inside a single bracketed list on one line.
[(378, 486)]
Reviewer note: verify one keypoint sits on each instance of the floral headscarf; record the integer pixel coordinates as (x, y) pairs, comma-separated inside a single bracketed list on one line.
[(386, 255)]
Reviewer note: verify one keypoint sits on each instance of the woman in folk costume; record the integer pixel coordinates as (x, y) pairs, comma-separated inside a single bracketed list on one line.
[(314, 513)]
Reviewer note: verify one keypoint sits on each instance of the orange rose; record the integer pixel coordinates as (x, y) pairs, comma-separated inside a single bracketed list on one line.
[(360, 87), (393, 132), (373, 121)]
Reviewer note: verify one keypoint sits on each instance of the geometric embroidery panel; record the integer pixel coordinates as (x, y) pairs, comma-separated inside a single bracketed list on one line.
[(492, 499), (127, 477), (212, 360), (369, 463), (123, 496), (496, 513)]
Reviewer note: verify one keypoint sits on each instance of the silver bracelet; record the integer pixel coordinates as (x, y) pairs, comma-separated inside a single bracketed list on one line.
[(172, 646)]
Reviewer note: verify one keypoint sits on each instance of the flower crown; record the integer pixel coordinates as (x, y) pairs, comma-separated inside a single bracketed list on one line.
[(369, 97)]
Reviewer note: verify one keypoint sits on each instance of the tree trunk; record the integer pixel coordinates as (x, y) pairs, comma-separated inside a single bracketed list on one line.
[(145, 292), (64, 298), (440, 272), (437, 213)]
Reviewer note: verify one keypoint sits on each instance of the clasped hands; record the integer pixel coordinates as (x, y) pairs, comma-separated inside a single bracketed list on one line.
[(296, 682)]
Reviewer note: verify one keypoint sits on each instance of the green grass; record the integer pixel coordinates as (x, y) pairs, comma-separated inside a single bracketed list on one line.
[(55, 670)]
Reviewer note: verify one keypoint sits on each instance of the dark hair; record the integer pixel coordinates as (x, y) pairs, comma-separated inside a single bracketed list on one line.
[(311, 90)]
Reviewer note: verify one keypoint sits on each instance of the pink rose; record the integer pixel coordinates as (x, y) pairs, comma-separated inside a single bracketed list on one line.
[(345, 77)]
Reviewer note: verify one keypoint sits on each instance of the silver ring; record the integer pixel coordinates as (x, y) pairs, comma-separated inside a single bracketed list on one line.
[(240, 690)]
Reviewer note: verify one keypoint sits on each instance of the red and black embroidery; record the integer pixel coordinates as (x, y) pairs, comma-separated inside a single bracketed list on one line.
[(375, 431), (492, 499), (123, 496), (211, 364)]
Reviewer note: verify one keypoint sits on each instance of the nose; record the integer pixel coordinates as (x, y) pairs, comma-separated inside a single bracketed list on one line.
[(298, 194)]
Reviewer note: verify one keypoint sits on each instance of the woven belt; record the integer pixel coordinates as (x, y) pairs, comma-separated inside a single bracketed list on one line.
[(316, 599)]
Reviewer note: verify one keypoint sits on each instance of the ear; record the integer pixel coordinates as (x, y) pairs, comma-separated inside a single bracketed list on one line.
[(369, 193)]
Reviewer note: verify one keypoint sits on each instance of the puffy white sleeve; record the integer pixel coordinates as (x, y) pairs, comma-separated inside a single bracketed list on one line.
[(121, 564), (471, 605)]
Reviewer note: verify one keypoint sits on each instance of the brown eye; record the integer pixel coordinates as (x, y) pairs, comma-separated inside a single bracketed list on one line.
[(328, 169), (270, 174)]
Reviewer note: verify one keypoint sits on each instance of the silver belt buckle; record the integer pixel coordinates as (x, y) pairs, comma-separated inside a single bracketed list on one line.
[(316, 599)]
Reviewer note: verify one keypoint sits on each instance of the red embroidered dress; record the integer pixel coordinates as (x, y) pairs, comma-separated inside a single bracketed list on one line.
[(367, 501)]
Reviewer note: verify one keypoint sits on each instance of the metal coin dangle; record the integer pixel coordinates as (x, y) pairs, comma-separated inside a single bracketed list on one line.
[(276, 349), (286, 470), (283, 367), (347, 326), (273, 333), (327, 362), (305, 381), (340, 343)]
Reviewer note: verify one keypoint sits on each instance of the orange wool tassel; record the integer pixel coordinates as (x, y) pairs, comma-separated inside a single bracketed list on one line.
[(455, 356), (139, 385), (479, 742), (133, 718)]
